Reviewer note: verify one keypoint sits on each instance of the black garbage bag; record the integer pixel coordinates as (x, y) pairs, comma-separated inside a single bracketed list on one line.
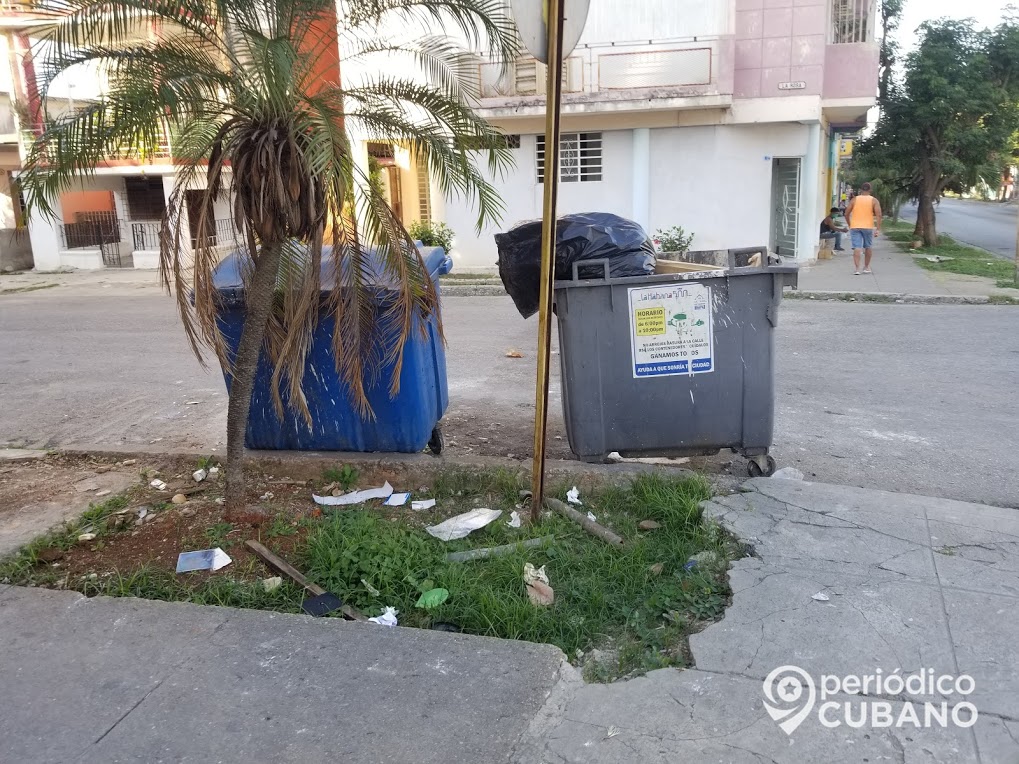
[(580, 237)]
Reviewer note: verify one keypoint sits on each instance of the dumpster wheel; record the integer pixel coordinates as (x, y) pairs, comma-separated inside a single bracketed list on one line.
[(436, 442), (762, 465)]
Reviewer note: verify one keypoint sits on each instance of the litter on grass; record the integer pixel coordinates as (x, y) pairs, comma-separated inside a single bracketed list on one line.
[(371, 589), (388, 617), (397, 500), (573, 496), (203, 559), (159, 485), (200, 475), (354, 497), (461, 526), (420, 506), (514, 521), (592, 517), (272, 584), (538, 589)]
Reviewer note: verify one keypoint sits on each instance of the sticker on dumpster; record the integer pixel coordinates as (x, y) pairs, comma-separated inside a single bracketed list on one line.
[(670, 330)]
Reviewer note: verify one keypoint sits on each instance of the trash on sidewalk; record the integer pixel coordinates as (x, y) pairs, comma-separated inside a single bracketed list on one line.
[(354, 497), (514, 521), (820, 597), (396, 500), (203, 559), (321, 602), (461, 526), (159, 485), (200, 475), (272, 583), (421, 506), (573, 496), (538, 589), (388, 617), (787, 473), (514, 354)]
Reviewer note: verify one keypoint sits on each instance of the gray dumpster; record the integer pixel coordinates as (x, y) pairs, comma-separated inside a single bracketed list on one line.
[(671, 364)]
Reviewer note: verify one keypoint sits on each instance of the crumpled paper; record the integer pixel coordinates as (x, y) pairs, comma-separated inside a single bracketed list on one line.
[(388, 617), (573, 496), (354, 497), (514, 521), (461, 526), (538, 589)]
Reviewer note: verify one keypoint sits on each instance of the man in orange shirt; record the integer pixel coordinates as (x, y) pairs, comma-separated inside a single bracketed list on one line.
[(864, 215)]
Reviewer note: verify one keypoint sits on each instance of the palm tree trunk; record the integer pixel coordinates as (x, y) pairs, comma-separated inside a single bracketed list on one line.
[(258, 301)]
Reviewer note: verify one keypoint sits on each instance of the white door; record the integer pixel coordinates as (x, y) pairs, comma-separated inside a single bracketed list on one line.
[(785, 203)]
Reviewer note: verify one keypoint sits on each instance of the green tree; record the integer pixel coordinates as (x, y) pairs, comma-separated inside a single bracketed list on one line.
[(239, 86), (891, 10), (950, 121)]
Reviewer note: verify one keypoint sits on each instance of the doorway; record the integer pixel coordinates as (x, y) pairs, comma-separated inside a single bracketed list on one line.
[(193, 199), (785, 205)]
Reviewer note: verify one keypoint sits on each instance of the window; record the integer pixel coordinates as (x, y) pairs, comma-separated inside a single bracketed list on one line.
[(852, 21), (580, 157), (145, 198)]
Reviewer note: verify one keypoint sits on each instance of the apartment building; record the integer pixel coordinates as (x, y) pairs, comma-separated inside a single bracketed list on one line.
[(721, 116)]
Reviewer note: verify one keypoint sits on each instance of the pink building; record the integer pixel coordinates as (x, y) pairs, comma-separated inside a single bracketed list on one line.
[(721, 116)]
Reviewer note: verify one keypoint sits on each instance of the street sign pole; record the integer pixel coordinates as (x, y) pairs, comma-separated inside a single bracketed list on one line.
[(553, 97)]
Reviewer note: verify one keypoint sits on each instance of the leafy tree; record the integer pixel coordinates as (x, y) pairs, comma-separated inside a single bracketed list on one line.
[(951, 120), (891, 10), (239, 85)]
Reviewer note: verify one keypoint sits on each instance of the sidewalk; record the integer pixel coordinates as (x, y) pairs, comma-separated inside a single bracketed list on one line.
[(895, 272), (843, 581)]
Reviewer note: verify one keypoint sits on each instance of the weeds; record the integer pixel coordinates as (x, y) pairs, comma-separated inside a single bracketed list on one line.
[(216, 535), (966, 260), (345, 476)]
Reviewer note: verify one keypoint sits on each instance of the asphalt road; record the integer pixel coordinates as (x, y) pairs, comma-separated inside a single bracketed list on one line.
[(987, 225), (910, 398)]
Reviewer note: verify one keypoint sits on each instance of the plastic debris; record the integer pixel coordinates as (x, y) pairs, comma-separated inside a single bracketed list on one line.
[(159, 485), (388, 617), (460, 526), (787, 473), (690, 565), (420, 506), (821, 597), (354, 497), (592, 517), (573, 496), (84, 538), (432, 598), (657, 568), (371, 589), (613, 731), (203, 559), (191, 403), (514, 354), (272, 584), (267, 496), (200, 475), (514, 521), (538, 589), (213, 471), (397, 500)]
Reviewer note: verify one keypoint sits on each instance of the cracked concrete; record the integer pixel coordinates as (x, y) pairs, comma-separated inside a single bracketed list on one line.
[(911, 583)]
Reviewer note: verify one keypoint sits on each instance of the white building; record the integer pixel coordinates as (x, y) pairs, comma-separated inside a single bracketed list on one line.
[(720, 116)]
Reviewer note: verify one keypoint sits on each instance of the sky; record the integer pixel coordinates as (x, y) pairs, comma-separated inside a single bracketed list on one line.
[(915, 12)]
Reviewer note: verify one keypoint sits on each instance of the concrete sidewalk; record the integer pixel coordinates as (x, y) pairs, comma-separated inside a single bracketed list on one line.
[(843, 581)]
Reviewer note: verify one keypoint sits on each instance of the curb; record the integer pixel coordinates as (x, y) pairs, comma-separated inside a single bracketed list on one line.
[(900, 298), (472, 290)]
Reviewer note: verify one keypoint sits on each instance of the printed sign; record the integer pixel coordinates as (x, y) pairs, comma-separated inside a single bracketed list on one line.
[(670, 329), (798, 85)]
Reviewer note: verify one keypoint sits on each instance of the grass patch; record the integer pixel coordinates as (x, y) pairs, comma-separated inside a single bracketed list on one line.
[(457, 276), (617, 612), (967, 261)]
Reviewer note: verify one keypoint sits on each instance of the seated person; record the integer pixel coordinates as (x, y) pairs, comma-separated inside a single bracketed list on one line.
[(830, 229)]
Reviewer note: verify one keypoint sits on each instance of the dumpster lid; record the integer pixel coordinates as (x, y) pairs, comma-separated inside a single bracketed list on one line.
[(227, 275)]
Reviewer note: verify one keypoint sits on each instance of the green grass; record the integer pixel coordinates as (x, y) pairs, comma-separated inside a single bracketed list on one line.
[(605, 597), (968, 261), (345, 476)]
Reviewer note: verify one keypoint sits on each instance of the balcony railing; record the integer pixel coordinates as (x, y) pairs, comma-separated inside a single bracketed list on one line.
[(685, 66), (103, 228), (853, 21), (91, 230)]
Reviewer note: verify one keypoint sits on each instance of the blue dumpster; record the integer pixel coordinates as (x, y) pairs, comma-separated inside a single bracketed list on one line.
[(406, 423)]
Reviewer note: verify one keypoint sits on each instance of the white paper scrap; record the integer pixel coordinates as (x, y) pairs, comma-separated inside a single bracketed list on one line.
[(355, 497), (573, 496), (159, 485), (514, 521), (397, 500), (592, 517), (460, 526), (203, 559), (419, 506), (820, 597), (388, 617)]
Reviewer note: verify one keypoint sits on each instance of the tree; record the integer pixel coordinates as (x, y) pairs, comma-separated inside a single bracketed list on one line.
[(891, 10), (951, 120), (239, 85)]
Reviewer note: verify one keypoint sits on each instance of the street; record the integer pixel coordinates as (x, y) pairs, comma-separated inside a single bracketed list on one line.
[(910, 398), (987, 225)]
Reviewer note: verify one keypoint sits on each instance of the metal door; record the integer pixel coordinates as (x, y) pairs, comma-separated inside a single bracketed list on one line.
[(785, 204)]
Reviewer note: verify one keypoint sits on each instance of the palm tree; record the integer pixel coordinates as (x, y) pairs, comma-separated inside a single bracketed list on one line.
[(239, 86)]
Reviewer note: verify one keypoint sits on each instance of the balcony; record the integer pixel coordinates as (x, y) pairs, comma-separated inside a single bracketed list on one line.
[(851, 56), (690, 73)]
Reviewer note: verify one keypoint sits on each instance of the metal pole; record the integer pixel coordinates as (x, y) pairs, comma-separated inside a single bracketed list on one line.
[(553, 93), (1016, 244)]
